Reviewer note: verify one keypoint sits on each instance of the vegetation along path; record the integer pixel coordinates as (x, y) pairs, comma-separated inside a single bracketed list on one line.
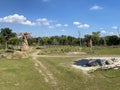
[(43, 70)]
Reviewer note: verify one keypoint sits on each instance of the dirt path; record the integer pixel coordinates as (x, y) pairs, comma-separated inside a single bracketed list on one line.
[(43, 70)]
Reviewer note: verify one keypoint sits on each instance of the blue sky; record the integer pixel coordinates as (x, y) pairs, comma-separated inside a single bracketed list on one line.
[(60, 17)]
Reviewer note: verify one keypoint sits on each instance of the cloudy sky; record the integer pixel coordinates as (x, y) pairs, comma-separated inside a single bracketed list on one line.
[(60, 17)]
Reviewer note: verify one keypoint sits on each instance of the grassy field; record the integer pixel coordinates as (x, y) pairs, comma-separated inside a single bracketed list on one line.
[(58, 50), (103, 50), (21, 74), (62, 50), (71, 79)]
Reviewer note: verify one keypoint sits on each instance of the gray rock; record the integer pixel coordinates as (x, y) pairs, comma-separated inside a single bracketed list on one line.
[(92, 62), (118, 66), (109, 62), (102, 62), (96, 62), (105, 68), (114, 60), (2, 56)]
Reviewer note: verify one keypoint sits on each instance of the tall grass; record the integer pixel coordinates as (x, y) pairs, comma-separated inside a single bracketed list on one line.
[(57, 50)]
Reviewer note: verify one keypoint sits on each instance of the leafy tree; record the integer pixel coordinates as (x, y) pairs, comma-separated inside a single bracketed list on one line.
[(14, 41), (5, 35), (55, 42), (112, 40), (96, 38), (71, 40), (87, 39), (32, 41), (45, 40), (63, 40)]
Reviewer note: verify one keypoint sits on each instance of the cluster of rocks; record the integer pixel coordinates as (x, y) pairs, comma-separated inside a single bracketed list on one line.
[(105, 63), (93, 63)]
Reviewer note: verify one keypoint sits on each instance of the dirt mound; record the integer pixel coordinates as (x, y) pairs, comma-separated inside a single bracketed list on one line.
[(19, 54)]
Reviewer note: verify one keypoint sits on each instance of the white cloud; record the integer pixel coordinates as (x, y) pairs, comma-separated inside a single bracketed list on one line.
[(76, 23), (44, 21), (101, 28), (62, 30), (51, 26), (20, 19), (96, 7), (58, 25), (103, 32), (111, 33), (55, 26), (80, 25), (84, 26), (49, 23), (65, 25), (28, 23), (16, 18), (115, 27)]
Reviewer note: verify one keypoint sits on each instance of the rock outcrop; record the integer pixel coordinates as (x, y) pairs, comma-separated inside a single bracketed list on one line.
[(104, 63), (94, 63)]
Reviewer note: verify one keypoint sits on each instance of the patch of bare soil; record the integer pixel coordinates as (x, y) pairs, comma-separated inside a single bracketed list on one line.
[(76, 53)]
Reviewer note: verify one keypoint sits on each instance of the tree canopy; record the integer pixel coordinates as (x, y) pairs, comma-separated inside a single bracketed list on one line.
[(6, 34)]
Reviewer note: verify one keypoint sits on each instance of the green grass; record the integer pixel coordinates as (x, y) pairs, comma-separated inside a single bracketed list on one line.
[(62, 50), (70, 78), (57, 50), (1, 51), (103, 50), (20, 75)]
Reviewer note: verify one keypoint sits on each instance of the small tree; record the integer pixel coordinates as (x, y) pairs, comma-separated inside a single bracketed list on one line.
[(6, 34)]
